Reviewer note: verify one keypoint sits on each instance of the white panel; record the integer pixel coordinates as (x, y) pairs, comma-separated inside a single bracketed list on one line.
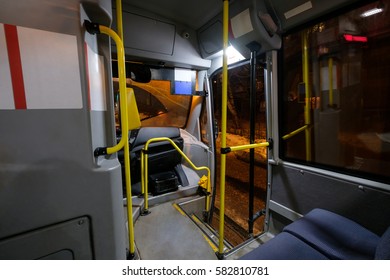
[(6, 92), (96, 76), (241, 24), (298, 10), (183, 75), (51, 71), (325, 78)]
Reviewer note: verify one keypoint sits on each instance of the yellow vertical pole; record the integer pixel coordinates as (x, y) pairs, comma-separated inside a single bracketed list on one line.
[(223, 125), (330, 73), (142, 172), (125, 128), (306, 80), (146, 183), (125, 134), (119, 21)]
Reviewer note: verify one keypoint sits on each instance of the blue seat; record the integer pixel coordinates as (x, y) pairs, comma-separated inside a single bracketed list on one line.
[(335, 236), (383, 249), (321, 235), (284, 246)]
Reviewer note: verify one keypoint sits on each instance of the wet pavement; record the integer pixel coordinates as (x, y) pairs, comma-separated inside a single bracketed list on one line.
[(237, 198)]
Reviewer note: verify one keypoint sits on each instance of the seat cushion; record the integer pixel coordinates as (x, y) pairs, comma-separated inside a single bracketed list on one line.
[(284, 246), (335, 236), (383, 248)]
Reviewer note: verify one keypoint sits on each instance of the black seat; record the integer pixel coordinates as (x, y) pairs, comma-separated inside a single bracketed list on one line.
[(164, 162)]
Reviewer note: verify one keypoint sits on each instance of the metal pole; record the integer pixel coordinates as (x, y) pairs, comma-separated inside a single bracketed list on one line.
[(252, 105)]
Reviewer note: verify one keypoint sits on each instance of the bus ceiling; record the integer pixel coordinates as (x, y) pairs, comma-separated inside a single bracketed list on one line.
[(190, 35), (293, 13), (176, 35)]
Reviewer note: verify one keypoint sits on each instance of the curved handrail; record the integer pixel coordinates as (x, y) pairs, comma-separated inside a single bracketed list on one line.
[(144, 170), (95, 28)]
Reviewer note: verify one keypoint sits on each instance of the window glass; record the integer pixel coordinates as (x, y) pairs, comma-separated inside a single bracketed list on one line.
[(336, 92), (157, 104), (204, 124), (237, 163)]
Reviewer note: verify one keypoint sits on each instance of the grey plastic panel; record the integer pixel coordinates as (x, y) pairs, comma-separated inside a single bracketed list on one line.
[(210, 38), (67, 240), (160, 40), (48, 173), (301, 191), (253, 29), (265, 40), (156, 36)]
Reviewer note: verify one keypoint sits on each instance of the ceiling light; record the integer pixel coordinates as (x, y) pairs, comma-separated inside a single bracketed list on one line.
[(372, 12)]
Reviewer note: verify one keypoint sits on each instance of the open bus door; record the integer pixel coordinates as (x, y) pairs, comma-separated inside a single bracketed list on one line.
[(246, 170)]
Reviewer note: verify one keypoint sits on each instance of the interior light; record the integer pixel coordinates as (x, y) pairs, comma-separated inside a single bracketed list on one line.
[(233, 55), (372, 12)]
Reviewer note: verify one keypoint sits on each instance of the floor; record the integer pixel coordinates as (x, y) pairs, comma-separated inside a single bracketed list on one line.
[(167, 234)]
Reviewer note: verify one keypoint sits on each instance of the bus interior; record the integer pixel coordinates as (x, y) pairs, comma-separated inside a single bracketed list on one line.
[(162, 130)]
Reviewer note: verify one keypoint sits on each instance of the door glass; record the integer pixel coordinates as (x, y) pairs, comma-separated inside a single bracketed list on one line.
[(237, 163)]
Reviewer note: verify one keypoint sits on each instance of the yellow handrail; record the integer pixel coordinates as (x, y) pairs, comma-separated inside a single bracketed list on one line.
[(122, 87), (295, 132), (124, 142), (223, 127), (144, 170), (306, 80), (248, 146), (94, 28)]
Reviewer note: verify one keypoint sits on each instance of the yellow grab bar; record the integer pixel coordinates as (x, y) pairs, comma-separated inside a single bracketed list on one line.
[(306, 80), (295, 132), (124, 142), (122, 88), (248, 146), (125, 129), (144, 170)]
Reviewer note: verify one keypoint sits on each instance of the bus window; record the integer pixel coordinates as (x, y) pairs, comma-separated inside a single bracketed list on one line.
[(158, 104), (335, 89)]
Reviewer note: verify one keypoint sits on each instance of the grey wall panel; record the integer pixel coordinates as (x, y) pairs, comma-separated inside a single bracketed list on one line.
[(63, 241), (302, 191), (48, 173), (249, 23), (210, 38), (152, 38), (148, 34)]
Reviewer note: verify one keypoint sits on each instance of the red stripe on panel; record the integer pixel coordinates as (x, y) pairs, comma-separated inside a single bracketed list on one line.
[(230, 30), (15, 65), (87, 70)]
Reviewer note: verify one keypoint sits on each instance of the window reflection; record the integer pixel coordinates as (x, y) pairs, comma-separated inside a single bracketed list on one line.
[(346, 92)]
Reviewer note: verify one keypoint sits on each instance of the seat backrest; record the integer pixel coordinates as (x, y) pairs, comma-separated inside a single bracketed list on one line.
[(162, 155), (383, 249)]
